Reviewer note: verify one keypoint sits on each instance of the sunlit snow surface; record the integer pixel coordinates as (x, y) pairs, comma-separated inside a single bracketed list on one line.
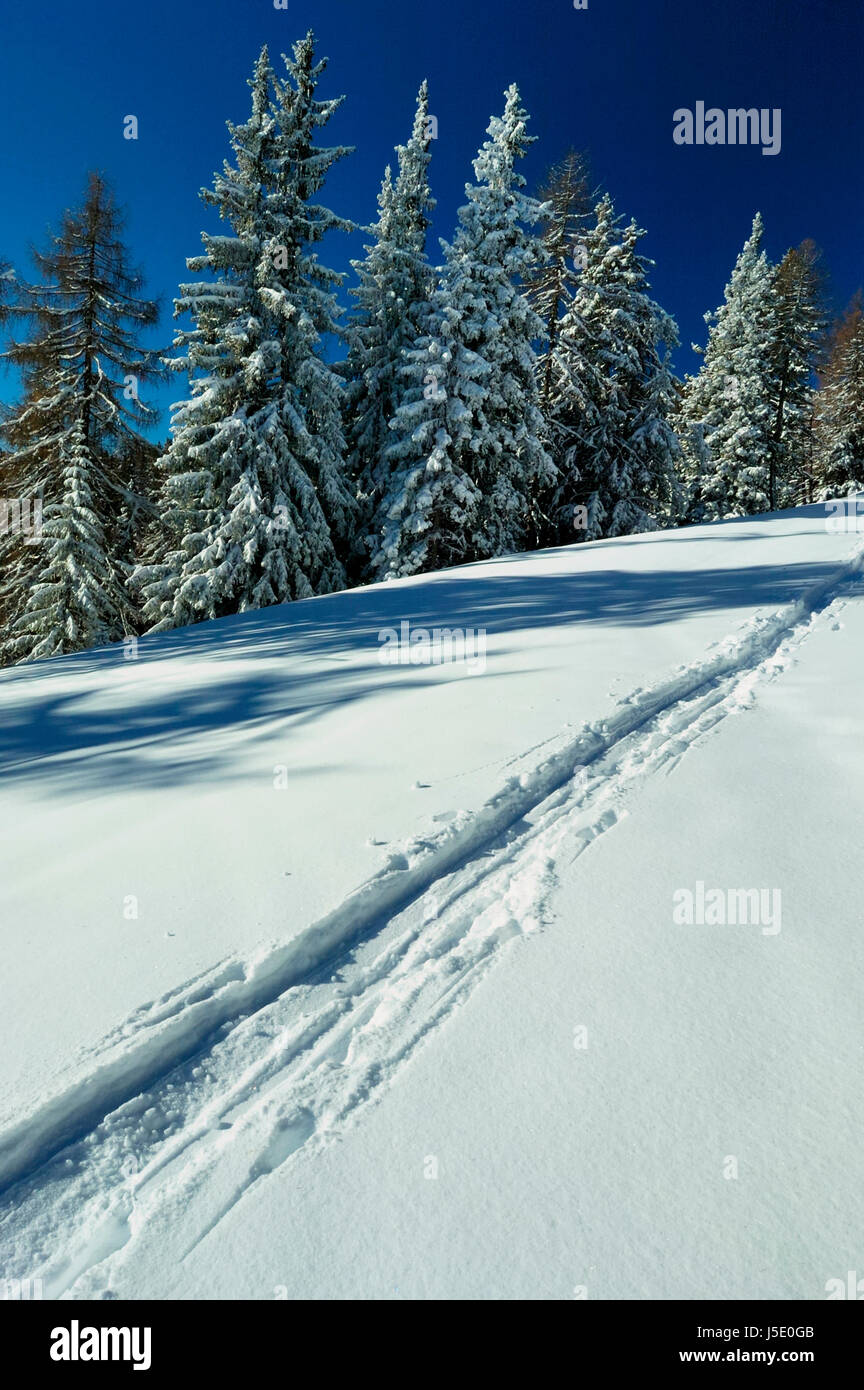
[(329, 978)]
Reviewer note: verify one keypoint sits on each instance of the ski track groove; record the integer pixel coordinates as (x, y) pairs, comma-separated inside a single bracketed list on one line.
[(173, 1090)]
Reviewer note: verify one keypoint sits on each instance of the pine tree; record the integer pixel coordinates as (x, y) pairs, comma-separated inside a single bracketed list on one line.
[(79, 415), (612, 394), (393, 305), (256, 502), (839, 427), (469, 455), (729, 412)]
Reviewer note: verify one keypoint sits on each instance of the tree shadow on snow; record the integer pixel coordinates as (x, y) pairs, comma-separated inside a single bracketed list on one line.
[(302, 660)]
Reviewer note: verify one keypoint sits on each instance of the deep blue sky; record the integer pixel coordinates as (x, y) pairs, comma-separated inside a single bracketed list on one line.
[(607, 79)]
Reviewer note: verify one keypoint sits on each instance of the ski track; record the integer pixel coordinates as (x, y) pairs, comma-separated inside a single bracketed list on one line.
[(207, 1091)]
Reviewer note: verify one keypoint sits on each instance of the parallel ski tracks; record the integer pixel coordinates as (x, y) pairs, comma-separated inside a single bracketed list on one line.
[(208, 1091)]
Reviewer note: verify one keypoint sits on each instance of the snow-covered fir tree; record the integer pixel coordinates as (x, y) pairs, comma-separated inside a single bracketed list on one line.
[(840, 409), (469, 456), (75, 597), (612, 394), (392, 310), (728, 413), (79, 416), (256, 504)]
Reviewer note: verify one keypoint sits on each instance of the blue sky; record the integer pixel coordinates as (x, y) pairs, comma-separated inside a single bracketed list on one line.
[(607, 79)]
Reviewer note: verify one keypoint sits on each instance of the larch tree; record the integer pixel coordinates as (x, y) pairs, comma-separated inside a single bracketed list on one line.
[(799, 330), (567, 207), (7, 280), (469, 457), (80, 414), (256, 506), (839, 427)]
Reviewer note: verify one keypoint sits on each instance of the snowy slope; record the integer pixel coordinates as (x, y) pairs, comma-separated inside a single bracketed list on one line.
[(293, 946)]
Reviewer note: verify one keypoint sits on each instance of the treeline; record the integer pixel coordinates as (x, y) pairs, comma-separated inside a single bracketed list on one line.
[(518, 395)]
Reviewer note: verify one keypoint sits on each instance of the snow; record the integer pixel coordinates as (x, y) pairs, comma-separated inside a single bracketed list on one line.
[(333, 992)]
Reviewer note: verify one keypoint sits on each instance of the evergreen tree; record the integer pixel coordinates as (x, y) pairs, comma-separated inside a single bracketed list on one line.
[(729, 412), (839, 427), (256, 503), (393, 305), (612, 394), (79, 415), (469, 455), (76, 598)]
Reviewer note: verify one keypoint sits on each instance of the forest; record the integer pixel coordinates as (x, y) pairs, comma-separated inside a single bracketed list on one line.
[(519, 394)]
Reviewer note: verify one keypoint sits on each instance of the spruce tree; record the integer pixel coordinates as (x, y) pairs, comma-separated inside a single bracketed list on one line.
[(256, 504), (612, 394), (839, 427), (728, 415), (469, 456), (67, 437), (76, 598), (392, 311)]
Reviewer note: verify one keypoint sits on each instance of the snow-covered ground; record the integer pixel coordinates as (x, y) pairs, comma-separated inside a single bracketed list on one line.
[(330, 978)]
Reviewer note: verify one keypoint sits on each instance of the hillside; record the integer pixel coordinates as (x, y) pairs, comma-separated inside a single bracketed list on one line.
[(345, 978)]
